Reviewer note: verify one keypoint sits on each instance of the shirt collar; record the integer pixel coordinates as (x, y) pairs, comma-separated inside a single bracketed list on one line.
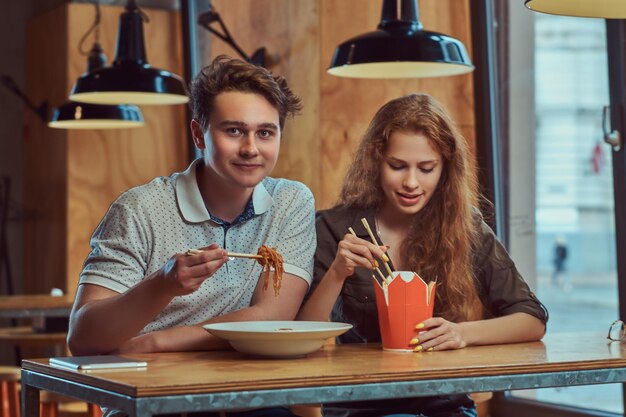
[(191, 204)]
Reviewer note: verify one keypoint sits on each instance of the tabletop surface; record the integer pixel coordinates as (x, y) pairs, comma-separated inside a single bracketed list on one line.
[(35, 302), (223, 371)]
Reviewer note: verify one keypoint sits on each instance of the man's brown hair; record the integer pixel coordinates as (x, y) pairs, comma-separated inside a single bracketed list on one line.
[(229, 74)]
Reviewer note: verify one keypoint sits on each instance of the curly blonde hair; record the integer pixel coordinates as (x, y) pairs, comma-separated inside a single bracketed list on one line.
[(441, 240)]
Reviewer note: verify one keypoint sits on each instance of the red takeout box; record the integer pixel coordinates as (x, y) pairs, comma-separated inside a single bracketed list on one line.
[(402, 304)]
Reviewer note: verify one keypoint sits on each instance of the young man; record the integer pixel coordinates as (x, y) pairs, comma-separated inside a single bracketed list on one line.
[(140, 290)]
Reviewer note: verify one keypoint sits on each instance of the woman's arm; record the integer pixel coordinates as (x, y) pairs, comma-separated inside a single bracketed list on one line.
[(441, 334), (352, 252), (519, 315), (320, 304)]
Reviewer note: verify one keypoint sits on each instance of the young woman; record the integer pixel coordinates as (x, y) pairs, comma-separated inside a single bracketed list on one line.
[(414, 181)]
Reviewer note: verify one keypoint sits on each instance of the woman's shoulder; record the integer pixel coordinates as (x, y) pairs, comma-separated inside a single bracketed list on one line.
[(341, 213), (488, 248), (340, 217), (484, 231)]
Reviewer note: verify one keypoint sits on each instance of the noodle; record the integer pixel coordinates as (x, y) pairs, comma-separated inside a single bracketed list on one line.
[(271, 259)]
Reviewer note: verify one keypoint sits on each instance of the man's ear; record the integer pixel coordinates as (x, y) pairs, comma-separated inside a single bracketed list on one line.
[(198, 134)]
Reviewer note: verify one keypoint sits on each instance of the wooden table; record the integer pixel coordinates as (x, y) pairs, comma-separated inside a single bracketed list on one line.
[(49, 316), (40, 305), (204, 381)]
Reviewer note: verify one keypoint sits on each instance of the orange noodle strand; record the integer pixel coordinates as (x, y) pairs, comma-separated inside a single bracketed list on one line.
[(271, 259)]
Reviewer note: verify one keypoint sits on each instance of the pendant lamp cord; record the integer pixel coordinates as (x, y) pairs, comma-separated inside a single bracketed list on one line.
[(211, 16), (95, 27), (11, 85), (131, 6)]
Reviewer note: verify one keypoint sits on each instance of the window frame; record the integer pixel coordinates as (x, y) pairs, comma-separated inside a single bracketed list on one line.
[(490, 50)]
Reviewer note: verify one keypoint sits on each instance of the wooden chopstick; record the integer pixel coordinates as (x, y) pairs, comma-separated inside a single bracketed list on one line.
[(375, 242), (243, 255), (229, 254), (382, 276)]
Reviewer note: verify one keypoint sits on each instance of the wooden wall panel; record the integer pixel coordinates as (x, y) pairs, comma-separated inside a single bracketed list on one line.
[(290, 31), (94, 167), (347, 105), (103, 164), (301, 37), (72, 177), (45, 156)]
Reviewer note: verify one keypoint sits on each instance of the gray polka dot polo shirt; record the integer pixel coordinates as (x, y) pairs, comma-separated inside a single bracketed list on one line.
[(148, 224)]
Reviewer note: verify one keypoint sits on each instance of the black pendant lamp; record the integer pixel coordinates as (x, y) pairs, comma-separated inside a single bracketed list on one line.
[(73, 115), (606, 9), (130, 79), (400, 48)]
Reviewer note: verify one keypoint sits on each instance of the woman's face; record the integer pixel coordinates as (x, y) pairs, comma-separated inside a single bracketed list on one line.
[(410, 171)]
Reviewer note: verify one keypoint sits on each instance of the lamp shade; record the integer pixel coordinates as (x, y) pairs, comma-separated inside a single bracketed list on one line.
[(130, 79), (73, 115), (400, 48), (129, 83), (606, 9)]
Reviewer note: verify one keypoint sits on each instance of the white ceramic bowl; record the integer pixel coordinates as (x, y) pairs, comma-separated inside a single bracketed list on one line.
[(277, 339)]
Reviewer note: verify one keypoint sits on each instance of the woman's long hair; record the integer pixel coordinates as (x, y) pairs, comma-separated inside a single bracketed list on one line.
[(440, 243)]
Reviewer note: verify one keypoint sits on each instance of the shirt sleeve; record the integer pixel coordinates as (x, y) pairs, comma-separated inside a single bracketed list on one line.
[(297, 236), (502, 289), (117, 260)]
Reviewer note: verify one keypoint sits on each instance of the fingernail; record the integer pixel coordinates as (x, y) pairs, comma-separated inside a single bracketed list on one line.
[(420, 326), (418, 349), (385, 258), (429, 349), (374, 264), (414, 341)]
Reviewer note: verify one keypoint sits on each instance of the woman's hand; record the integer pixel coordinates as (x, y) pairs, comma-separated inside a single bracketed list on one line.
[(184, 273), (355, 252), (441, 334)]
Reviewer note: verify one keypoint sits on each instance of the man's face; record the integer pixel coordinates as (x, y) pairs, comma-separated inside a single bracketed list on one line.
[(242, 141)]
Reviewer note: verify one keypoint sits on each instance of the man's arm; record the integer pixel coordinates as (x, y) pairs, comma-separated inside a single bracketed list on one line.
[(264, 306), (296, 244), (103, 321)]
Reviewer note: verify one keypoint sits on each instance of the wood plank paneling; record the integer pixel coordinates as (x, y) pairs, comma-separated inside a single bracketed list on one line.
[(103, 164), (72, 176), (347, 105), (91, 168), (301, 37), (290, 31), (45, 155)]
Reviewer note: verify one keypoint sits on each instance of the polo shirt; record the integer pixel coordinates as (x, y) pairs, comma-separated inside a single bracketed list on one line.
[(149, 224)]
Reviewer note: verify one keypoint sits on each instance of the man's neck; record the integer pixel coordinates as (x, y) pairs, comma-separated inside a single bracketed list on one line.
[(223, 201)]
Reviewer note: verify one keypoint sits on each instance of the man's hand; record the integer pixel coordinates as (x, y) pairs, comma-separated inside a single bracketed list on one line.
[(184, 273)]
